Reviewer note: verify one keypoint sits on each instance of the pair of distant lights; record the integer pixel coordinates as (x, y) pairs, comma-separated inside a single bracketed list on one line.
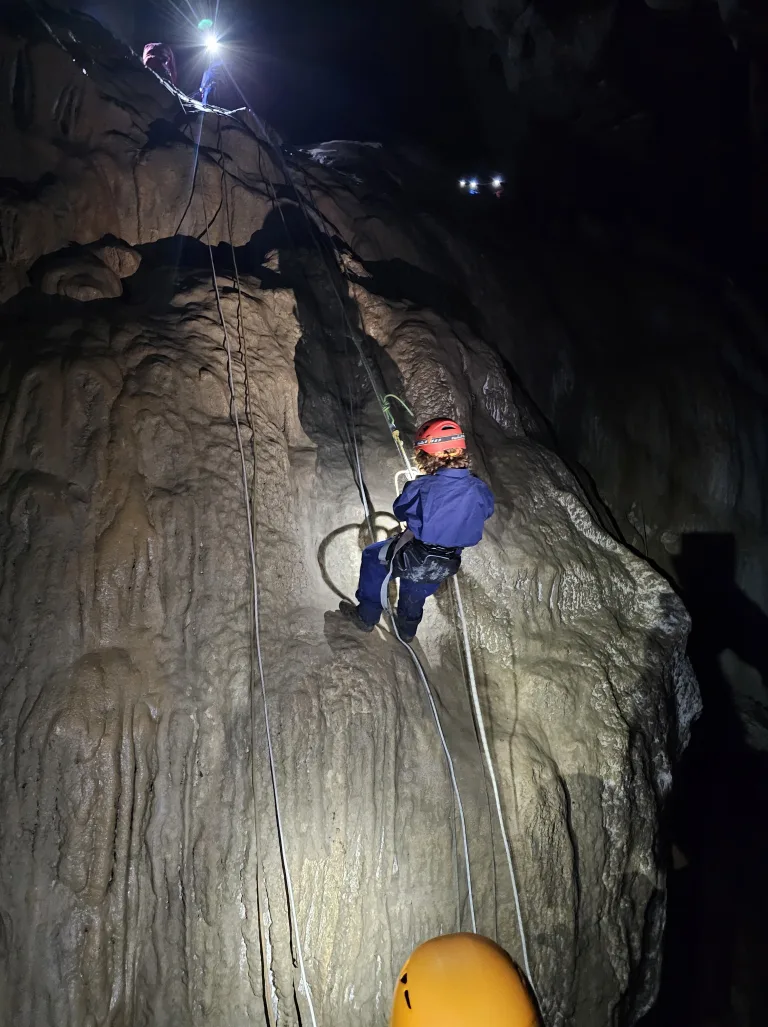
[(472, 184), (209, 36)]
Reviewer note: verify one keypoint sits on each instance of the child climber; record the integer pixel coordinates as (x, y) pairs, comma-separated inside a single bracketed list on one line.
[(444, 512)]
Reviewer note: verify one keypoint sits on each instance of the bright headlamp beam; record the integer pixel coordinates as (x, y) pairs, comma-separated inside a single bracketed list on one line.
[(211, 43)]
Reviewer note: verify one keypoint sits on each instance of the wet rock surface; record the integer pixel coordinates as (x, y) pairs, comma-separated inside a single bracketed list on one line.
[(140, 872)]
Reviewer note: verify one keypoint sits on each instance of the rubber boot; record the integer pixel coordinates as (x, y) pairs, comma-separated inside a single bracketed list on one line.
[(350, 611), (405, 630)]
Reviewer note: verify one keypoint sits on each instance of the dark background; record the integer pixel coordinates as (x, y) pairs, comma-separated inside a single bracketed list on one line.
[(658, 129), (324, 69), (664, 132)]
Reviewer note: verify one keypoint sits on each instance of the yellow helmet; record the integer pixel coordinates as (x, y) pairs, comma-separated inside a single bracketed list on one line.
[(461, 980)]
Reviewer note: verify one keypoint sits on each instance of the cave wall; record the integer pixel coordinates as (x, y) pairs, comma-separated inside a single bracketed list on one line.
[(649, 365), (140, 873), (141, 883)]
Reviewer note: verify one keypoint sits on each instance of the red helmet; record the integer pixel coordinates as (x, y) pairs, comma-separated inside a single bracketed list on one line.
[(159, 57), (438, 435)]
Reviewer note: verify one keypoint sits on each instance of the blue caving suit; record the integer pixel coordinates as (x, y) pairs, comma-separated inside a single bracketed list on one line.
[(446, 511), (212, 77)]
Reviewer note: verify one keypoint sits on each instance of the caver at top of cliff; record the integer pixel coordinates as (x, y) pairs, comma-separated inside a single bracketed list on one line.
[(151, 384)]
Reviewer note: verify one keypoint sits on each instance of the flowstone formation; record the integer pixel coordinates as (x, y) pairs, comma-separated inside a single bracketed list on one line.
[(140, 874)]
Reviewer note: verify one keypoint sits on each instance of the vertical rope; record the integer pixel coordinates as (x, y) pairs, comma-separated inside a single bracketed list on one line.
[(479, 720), (449, 761), (304, 984), (468, 656), (255, 589)]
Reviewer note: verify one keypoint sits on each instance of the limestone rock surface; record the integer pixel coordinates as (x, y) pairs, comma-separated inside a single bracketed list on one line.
[(78, 275), (95, 145), (141, 879), (648, 362), (124, 260)]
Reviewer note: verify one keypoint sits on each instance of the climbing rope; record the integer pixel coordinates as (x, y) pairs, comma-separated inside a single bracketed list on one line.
[(272, 1009), (391, 424), (254, 576), (257, 632), (385, 404), (449, 761), (480, 722), (433, 706), (359, 480), (385, 603), (303, 982)]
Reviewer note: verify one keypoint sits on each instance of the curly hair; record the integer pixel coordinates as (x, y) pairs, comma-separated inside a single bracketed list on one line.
[(428, 463)]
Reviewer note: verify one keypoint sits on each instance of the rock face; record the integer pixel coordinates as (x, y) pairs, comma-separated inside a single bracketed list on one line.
[(141, 879), (96, 146), (86, 272), (647, 362)]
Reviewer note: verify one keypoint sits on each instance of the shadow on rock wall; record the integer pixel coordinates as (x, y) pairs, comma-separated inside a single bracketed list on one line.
[(715, 949)]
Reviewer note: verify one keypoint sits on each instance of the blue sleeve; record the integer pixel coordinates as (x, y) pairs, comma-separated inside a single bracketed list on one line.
[(406, 501), (488, 500)]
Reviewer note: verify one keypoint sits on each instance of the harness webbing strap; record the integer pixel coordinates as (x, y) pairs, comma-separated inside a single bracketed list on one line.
[(397, 543)]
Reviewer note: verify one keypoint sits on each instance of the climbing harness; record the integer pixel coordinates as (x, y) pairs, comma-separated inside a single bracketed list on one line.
[(388, 554), (425, 562)]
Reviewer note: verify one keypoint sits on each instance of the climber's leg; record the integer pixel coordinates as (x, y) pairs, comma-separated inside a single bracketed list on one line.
[(410, 605), (372, 574)]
